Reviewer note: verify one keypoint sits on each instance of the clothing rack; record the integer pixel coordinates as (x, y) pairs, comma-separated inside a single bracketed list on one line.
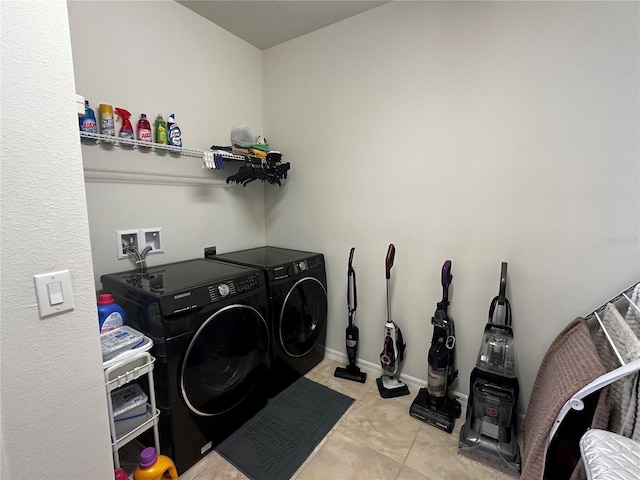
[(626, 368), (623, 295)]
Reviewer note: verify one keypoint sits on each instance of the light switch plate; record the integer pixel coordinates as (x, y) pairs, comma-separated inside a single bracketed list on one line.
[(54, 292)]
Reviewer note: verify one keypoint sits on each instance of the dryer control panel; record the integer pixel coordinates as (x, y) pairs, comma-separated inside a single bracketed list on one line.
[(299, 267)]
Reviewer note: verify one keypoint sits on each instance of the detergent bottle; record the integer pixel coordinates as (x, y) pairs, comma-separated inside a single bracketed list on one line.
[(161, 130), (110, 314), (88, 120), (154, 467), (126, 131), (173, 130), (144, 130)]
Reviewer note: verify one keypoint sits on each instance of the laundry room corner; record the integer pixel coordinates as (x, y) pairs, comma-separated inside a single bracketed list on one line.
[(179, 293), (457, 131)]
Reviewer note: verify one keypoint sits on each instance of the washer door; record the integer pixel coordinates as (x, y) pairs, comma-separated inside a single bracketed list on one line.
[(303, 317), (226, 358)]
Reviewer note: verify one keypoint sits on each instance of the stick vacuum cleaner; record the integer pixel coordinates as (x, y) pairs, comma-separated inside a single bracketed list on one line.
[(489, 433), (351, 371), (434, 404), (393, 349)]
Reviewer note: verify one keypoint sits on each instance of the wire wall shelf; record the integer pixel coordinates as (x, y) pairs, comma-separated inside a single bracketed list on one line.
[(131, 143)]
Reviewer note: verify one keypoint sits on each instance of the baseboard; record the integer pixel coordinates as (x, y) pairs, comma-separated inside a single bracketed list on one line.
[(376, 370), (413, 382)]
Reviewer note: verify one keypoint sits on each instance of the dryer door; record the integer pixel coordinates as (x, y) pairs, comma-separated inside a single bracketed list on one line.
[(226, 358), (303, 317)]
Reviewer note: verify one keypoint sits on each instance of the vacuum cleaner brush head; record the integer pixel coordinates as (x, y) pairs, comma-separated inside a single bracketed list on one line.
[(350, 373), (441, 414), (398, 391)]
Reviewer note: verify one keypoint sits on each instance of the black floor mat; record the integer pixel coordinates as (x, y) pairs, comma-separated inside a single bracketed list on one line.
[(274, 443)]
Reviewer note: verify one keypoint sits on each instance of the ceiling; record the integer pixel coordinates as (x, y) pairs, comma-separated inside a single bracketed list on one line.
[(268, 23)]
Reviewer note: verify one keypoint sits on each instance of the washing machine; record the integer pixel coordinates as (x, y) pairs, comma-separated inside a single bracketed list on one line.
[(297, 290), (208, 321)]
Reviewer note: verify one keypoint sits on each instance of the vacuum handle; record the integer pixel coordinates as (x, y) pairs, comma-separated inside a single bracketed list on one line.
[(446, 280), (391, 253), (503, 284), (507, 311), (352, 293)]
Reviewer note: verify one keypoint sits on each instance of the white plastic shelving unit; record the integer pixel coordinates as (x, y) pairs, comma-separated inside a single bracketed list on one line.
[(119, 374)]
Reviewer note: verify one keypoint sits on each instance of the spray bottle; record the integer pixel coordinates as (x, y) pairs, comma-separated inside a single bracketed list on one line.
[(173, 131), (106, 120), (126, 131), (88, 121)]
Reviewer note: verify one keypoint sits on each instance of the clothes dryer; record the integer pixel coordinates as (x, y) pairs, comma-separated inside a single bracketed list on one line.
[(297, 290), (208, 322)]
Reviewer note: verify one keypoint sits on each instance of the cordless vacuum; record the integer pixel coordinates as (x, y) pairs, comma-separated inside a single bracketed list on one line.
[(351, 371), (434, 404), (393, 349), (489, 433)]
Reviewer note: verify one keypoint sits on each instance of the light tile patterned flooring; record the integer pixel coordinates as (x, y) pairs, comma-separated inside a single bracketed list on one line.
[(375, 439)]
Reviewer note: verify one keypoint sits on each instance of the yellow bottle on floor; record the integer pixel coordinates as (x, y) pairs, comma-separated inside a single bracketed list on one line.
[(154, 467)]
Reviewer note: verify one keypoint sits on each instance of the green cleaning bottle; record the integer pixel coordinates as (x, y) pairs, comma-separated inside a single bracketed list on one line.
[(161, 130)]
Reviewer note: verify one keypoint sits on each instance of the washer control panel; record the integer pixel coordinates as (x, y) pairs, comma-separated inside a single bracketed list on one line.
[(218, 291), (200, 296), (221, 290)]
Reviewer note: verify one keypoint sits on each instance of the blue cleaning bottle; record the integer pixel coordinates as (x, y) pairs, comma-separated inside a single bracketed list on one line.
[(173, 131), (88, 120)]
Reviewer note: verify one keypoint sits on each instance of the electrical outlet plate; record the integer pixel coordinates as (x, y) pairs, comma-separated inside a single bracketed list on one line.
[(139, 238)]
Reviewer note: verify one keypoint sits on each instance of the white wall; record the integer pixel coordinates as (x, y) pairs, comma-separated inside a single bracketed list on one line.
[(479, 132), (159, 57), (53, 404)]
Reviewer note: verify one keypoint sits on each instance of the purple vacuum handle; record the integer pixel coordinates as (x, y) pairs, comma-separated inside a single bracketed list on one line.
[(446, 279), (391, 253)]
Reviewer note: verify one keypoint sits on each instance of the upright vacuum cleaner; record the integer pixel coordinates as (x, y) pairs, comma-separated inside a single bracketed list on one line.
[(351, 371), (434, 404), (489, 433), (393, 349)]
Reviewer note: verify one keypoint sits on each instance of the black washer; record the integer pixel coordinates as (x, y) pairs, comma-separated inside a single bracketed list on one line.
[(208, 322), (297, 289)]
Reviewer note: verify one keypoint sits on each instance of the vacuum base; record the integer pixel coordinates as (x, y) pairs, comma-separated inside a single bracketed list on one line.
[(398, 391), (487, 454), (441, 414), (350, 372), (504, 457)]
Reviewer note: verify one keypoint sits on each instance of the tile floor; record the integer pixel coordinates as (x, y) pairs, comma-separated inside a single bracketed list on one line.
[(375, 439)]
